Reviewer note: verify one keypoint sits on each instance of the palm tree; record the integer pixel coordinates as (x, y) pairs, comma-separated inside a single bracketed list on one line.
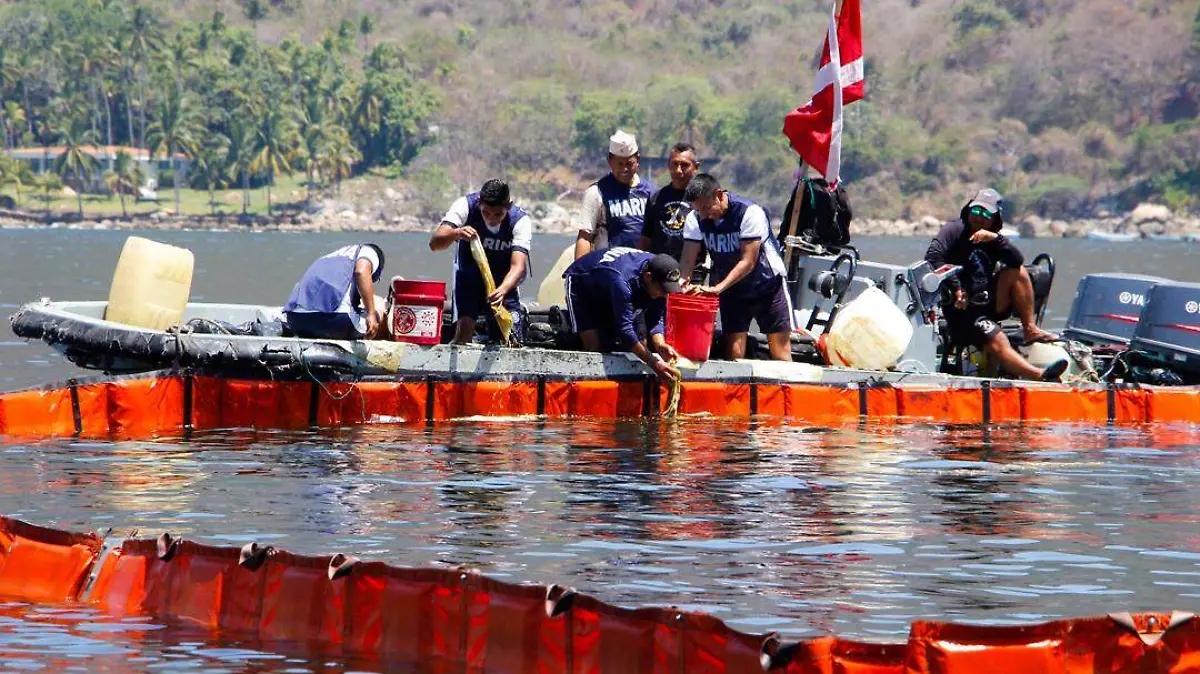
[(274, 145), (211, 167), (365, 27), (313, 135), (75, 161), (125, 177), (10, 174), (340, 156), (240, 153), (14, 119), (174, 129), (256, 10), (49, 182)]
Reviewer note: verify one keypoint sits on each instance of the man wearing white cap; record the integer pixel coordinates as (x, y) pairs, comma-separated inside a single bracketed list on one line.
[(615, 204)]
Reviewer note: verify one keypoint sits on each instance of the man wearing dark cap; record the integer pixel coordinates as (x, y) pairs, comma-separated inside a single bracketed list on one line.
[(606, 288), (982, 297)]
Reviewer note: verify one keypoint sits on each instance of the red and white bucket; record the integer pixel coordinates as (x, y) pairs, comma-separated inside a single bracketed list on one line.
[(416, 314)]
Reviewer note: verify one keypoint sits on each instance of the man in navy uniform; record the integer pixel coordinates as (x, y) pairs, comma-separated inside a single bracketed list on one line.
[(335, 299), (505, 232), (615, 204), (606, 288), (747, 268)]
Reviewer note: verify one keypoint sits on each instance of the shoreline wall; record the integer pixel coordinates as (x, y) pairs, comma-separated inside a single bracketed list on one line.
[(1147, 220)]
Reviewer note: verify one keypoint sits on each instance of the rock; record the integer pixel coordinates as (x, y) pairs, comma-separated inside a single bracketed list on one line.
[(1034, 226), (391, 194), (1149, 213), (348, 214), (1152, 228), (1057, 228)]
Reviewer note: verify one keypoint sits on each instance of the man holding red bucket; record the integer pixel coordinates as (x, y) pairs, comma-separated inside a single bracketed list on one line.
[(748, 271), (605, 289)]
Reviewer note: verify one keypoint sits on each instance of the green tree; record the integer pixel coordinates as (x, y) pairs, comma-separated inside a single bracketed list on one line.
[(75, 163), (212, 168), (313, 134), (366, 26), (274, 145), (174, 130), (255, 10), (124, 178), (340, 157), (240, 153), (12, 173), (599, 113)]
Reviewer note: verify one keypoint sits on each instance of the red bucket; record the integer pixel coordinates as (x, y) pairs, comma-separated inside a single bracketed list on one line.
[(691, 320), (416, 315)]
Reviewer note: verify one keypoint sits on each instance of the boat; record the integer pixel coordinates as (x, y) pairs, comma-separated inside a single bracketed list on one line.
[(248, 340), (1112, 237)]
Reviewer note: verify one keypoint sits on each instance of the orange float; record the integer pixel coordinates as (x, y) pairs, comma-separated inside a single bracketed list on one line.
[(171, 403), (443, 619)]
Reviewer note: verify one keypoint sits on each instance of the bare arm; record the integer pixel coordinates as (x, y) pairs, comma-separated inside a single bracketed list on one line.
[(447, 234), (691, 250), (366, 293), (516, 271), (583, 243), (744, 266), (591, 217)]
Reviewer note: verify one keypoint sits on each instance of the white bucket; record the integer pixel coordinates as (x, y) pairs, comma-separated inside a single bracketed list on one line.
[(869, 333)]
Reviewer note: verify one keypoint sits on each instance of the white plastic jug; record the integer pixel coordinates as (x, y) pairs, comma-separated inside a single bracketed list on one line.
[(151, 285), (869, 333)]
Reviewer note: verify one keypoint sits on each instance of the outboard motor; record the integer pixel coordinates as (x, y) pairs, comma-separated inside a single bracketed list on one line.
[(1107, 307), (1169, 330)]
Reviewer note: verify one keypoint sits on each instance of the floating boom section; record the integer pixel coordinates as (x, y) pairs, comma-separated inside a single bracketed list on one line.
[(456, 619), (172, 403)]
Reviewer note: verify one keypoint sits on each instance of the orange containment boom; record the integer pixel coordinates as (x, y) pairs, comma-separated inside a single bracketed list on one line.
[(171, 403), (457, 620), (43, 565)]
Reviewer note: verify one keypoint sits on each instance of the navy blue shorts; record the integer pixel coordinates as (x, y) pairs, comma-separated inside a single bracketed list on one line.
[(470, 300), (772, 310), (589, 310), (313, 325)]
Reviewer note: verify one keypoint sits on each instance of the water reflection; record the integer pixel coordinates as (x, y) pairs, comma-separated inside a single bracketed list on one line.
[(853, 530)]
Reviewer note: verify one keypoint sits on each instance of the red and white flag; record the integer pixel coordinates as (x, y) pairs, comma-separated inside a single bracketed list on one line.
[(815, 128)]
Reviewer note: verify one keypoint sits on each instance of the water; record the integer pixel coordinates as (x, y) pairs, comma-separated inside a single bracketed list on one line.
[(809, 531)]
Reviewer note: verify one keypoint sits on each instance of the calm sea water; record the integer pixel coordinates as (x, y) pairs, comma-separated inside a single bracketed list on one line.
[(809, 531)]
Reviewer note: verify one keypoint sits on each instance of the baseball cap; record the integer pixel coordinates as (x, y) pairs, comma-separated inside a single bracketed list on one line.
[(988, 199), (664, 269), (622, 144)]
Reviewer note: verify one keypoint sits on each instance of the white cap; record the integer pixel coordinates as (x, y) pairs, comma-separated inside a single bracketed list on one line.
[(622, 144)]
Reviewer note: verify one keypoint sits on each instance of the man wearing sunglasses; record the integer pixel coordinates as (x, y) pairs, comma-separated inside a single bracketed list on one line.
[(981, 297)]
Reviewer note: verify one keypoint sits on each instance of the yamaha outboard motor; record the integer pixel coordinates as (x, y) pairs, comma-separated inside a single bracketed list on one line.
[(1169, 331), (1107, 307)]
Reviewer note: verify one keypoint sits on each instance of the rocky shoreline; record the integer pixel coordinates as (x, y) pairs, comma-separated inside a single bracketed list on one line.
[(1147, 220)]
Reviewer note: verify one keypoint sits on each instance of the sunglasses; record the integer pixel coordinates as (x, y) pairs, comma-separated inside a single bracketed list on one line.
[(981, 212)]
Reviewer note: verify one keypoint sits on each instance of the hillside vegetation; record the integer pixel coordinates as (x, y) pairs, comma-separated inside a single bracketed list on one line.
[(1067, 106)]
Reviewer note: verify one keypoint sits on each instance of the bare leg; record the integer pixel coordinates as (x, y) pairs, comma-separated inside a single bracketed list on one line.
[(1014, 289), (590, 339), (1008, 358), (781, 345), (735, 345), (464, 330)]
